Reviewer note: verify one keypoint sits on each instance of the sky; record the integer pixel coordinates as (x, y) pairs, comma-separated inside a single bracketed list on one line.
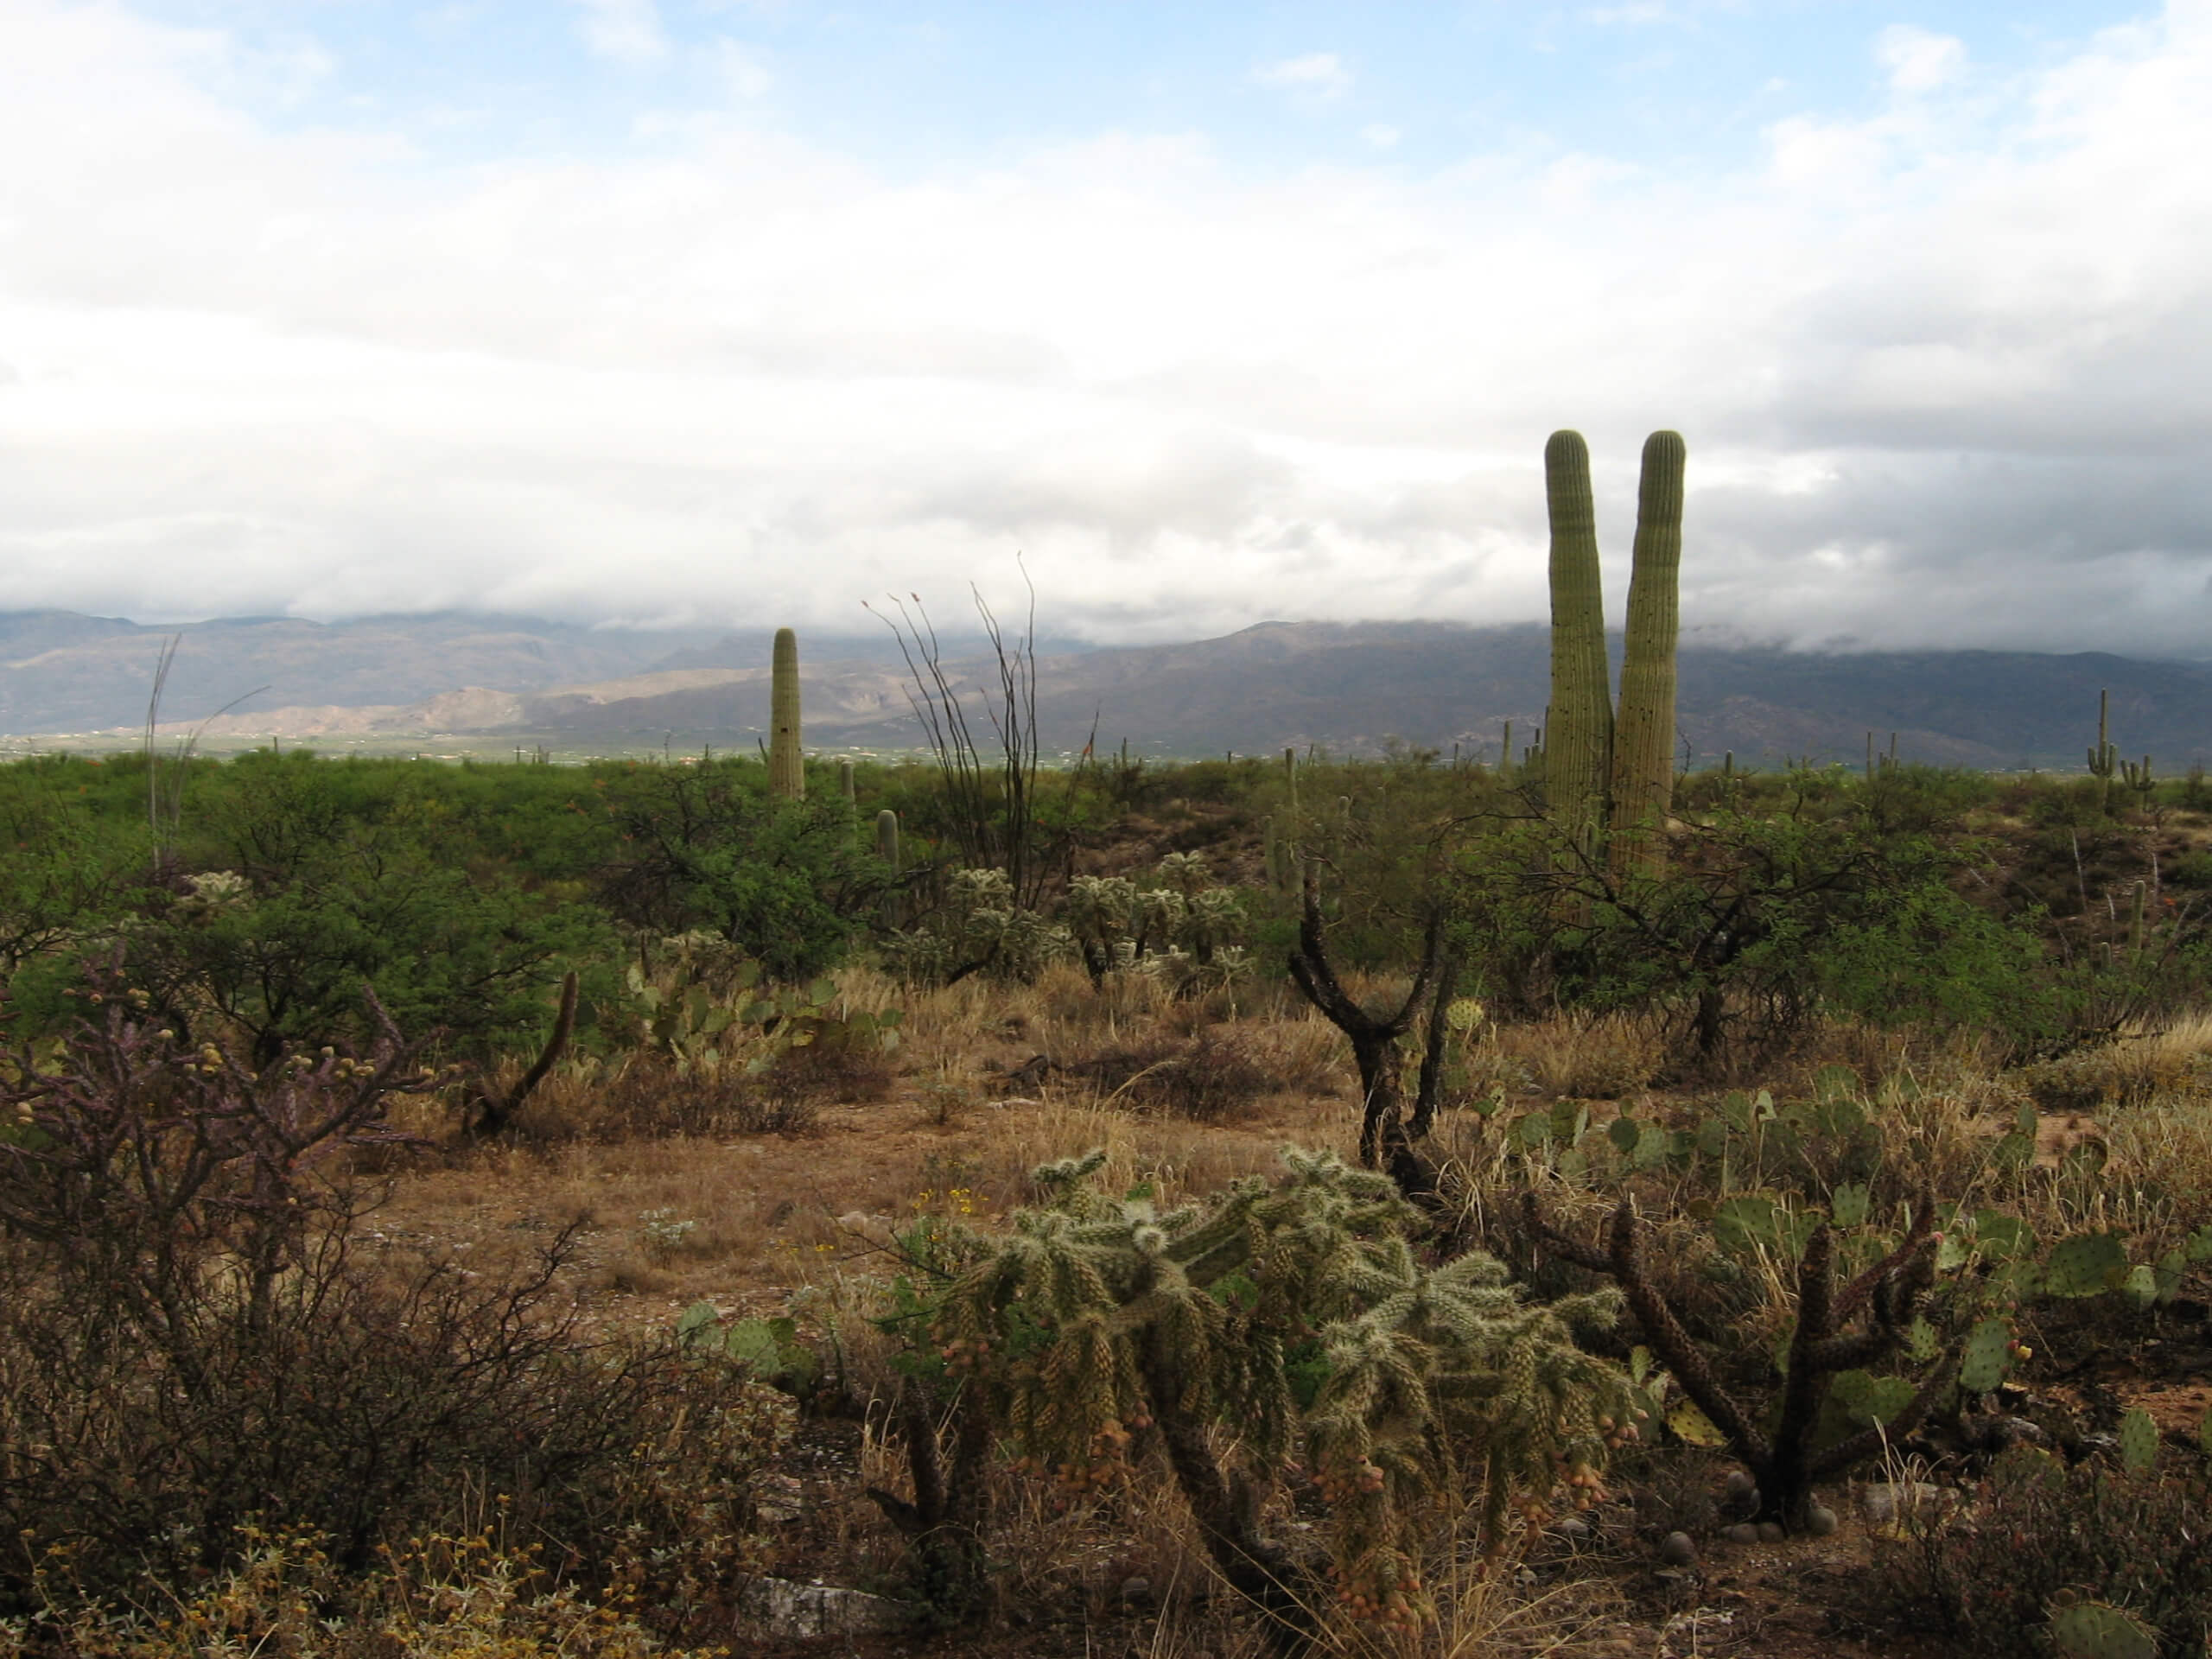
[(688, 312)]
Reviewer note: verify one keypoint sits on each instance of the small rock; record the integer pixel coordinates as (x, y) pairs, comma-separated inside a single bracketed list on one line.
[(1820, 1521), (1742, 1533), (1136, 1590), (1573, 1526), (1740, 1488), (1770, 1532), (1678, 1549)]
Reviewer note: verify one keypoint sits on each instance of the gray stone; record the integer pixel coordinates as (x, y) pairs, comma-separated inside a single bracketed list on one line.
[(1742, 1533), (1678, 1549), (1770, 1532), (793, 1612)]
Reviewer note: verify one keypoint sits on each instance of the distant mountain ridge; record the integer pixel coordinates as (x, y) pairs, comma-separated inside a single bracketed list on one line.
[(1350, 688)]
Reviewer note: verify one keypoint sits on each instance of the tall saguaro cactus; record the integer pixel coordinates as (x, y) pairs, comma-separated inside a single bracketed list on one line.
[(1579, 733), (786, 771), (1643, 735), (2104, 759)]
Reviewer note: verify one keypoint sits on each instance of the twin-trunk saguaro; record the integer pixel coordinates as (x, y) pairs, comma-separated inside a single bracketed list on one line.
[(1603, 769)]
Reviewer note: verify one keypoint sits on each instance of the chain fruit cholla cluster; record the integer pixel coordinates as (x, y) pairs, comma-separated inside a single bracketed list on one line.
[(1099, 1329)]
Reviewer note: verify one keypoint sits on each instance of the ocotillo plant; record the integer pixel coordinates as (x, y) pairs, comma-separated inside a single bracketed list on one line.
[(1644, 735), (1579, 732), (786, 770), (2104, 759)]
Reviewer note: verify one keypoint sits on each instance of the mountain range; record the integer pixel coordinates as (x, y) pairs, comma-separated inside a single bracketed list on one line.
[(1350, 688)]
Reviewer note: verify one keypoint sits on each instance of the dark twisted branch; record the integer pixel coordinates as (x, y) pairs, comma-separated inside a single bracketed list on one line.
[(1786, 1465)]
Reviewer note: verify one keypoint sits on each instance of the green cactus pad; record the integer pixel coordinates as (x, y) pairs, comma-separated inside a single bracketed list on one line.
[(1988, 1358), (2139, 1441), (2096, 1630), (2085, 1265), (1848, 1206)]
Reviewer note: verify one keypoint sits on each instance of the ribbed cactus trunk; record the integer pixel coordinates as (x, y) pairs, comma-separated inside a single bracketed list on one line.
[(786, 770), (1644, 735), (1579, 732)]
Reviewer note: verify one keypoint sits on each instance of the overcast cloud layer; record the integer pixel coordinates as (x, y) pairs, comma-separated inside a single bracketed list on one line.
[(1945, 367)]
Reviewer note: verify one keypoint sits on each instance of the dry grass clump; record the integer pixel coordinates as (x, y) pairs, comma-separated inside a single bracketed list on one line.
[(2136, 1068), (1580, 1057), (1208, 1077)]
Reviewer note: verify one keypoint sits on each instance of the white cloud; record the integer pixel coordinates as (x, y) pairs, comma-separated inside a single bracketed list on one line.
[(1317, 74), (739, 69), (1380, 137), (628, 31), (1918, 61), (1942, 384)]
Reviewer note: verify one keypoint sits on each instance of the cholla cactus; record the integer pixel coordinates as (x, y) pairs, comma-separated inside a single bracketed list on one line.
[(1181, 921), (1101, 1327), (1098, 913)]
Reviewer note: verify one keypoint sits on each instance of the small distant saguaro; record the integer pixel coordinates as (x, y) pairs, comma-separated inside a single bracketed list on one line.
[(786, 771)]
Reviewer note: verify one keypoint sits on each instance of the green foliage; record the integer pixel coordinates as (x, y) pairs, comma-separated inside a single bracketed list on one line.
[(287, 963), (710, 848)]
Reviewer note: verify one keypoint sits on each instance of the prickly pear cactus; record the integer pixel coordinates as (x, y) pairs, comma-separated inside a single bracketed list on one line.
[(2139, 1441), (2096, 1630), (1988, 1358)]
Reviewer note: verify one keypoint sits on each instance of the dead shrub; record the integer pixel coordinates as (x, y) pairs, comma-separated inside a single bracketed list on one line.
[(194, 1347), (1208, 1077)]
